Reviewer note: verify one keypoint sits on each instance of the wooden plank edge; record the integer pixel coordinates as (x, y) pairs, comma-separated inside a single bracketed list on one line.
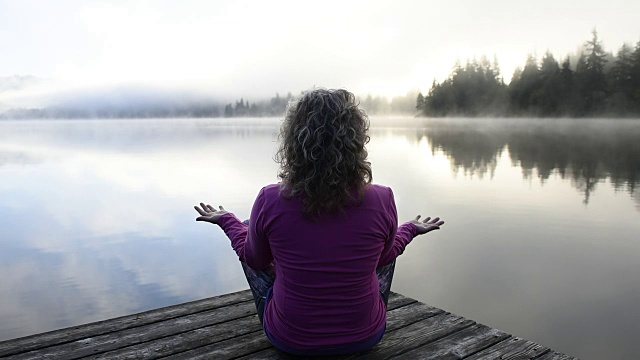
[(78, 332), (155, 333)]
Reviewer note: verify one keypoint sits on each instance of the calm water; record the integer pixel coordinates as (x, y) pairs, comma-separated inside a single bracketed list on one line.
[(541, 240)]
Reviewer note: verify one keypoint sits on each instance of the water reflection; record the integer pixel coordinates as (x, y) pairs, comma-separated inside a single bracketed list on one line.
[(17, 157), (97, 220), (586, 152)]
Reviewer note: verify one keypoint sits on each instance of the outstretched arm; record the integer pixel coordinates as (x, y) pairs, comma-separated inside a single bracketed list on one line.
[(235, 229), (249, 242), (405, 233)]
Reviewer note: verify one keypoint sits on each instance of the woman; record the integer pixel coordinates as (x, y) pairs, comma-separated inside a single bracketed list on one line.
[(320, 247)]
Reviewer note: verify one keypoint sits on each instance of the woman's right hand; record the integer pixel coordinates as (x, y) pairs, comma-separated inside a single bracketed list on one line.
[(427, 224), (209, 214)]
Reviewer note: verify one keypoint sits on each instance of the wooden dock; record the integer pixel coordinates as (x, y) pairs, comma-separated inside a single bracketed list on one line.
[(227, 327)]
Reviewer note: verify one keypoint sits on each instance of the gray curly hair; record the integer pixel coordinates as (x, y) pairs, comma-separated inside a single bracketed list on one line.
[(322, 153)]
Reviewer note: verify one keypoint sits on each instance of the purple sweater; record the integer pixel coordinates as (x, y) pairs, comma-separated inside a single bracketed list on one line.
[(326, 292)]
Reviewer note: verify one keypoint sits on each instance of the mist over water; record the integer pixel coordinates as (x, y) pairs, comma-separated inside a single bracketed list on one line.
[(540, 240)]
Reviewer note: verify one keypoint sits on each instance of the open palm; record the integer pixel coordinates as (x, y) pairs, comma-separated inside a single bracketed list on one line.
[(209, 214), (427, 224)]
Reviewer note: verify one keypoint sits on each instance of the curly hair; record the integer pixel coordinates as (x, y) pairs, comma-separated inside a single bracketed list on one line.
[(322, 153)]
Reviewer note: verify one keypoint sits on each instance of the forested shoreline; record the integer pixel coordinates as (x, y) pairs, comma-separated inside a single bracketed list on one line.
[(158, 108), (203, 108), (598, 84)]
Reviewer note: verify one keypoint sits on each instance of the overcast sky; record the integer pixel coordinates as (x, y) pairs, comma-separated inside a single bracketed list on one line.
[(260, 47)]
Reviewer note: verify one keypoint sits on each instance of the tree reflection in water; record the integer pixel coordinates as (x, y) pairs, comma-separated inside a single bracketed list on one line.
[(583, 151)]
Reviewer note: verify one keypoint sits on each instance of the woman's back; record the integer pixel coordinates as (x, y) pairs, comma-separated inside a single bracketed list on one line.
[(326, 291)]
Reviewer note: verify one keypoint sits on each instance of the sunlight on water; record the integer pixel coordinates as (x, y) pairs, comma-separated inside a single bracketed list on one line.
[(540, 238)]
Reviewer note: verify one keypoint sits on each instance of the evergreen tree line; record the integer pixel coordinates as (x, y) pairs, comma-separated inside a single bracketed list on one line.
[(598, 84), (372, 105), (275, 106)]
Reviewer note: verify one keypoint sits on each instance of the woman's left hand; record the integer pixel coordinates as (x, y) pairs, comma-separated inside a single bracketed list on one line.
[(209, 214), (427, 224)]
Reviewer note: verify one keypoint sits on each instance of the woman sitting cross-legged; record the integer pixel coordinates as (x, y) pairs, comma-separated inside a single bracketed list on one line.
[(319, 249)]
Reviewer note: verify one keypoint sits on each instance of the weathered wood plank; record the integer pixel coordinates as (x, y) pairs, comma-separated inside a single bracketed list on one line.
[(187, 341), (269, 354), (229, 349), (38, 341), (119, 339), (415, 335), (556, 356), (400, 317), (514, 348), (397, 300), (457, 345)]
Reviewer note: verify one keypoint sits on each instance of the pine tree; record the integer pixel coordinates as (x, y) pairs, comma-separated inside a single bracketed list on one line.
[(228, 110), (524, 90), (621, 79), (551, 86), (635, 76), (420, 102), (594, 88), (567, 88)]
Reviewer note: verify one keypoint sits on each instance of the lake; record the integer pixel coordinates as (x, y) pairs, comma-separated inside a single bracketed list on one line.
[(542, 233)]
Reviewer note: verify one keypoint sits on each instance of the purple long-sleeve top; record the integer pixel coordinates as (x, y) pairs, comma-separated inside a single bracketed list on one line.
[(326, 293)]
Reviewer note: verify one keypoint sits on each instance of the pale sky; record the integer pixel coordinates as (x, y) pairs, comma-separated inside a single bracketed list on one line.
[(255, 48)]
